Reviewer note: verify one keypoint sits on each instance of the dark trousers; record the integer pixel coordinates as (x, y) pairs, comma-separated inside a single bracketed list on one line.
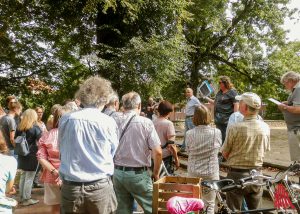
[(252, 194), (96, 198), (222, 128)]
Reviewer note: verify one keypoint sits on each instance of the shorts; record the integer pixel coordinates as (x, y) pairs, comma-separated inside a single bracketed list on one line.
[(52, 194)]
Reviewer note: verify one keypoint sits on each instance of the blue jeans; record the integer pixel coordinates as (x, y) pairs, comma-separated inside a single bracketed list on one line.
[(130, 185), (95, 198), (188, 125), (25, 185)]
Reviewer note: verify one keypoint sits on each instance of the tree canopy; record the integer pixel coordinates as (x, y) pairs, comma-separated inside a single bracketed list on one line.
[(156, 47)]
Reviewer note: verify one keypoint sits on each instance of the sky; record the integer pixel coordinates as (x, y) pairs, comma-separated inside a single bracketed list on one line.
[(293, 25)]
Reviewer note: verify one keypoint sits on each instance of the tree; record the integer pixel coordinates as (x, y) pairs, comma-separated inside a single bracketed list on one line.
[(234, 37)]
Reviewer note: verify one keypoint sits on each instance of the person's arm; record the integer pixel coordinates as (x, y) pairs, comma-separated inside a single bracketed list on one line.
[(12, 138), (291, 109), (226, 148), (10, 188), (211, 101), (157, 158)]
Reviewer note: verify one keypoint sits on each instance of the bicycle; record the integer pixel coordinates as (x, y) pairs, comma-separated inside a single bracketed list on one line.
[(283, 192)]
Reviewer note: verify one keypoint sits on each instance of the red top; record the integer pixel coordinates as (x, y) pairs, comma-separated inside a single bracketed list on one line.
[(48, 150)]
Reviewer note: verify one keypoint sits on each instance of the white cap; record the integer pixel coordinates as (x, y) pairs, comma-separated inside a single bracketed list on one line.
[(251, 99)]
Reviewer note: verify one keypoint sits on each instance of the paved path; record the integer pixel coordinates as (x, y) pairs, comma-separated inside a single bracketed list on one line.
[(39, 208)]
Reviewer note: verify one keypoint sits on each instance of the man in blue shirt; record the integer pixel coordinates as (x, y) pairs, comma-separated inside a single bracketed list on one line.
[(88, 140), (192, 102)]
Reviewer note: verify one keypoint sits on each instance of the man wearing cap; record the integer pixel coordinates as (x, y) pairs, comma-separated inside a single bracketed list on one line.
[(192, 102), (244, 148)]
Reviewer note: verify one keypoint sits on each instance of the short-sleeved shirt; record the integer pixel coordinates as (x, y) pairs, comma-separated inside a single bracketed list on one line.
[(293, 120), (192, 102), (8, 125), (202, 144), (164, 128), (246, 143), (8, 166), (137, 142), (224, 106), (88, 140)]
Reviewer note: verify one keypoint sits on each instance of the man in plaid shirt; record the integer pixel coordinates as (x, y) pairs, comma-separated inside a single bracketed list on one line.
[(244, 148)]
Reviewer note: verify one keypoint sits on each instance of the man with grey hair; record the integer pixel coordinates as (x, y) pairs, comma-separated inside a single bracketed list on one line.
[(138, 138), (244, 148), (291, 112), (88, 140), (112, 106)]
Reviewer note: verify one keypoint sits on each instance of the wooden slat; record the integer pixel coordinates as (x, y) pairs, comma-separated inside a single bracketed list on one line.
[(163, 212), (162, 204), (196, 192), (161, 180), (182, 180), (176, 187), (155, 199), (167, 195)]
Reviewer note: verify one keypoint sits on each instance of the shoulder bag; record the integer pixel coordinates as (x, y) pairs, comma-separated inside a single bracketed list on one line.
[(22, 147)]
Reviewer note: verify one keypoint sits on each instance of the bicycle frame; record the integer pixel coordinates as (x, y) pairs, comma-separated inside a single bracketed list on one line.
[(270, 184)]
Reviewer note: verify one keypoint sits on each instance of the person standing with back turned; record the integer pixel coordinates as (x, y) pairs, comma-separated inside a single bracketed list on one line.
[(244, 148), (133, 157), (88, 140)]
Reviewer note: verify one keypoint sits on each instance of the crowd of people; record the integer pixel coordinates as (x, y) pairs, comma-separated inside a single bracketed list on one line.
[(95, 157)]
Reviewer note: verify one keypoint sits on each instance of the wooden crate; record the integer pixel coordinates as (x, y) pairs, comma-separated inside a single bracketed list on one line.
[(170, 186)]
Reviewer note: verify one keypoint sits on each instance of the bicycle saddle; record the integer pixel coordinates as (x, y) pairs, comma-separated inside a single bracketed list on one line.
[(217, 184)]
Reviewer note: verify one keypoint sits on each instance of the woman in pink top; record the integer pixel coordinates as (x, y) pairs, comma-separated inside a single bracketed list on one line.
[(166, 132), (48, 156)]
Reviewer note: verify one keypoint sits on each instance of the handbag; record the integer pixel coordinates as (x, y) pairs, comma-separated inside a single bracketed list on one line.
[(22, 147)]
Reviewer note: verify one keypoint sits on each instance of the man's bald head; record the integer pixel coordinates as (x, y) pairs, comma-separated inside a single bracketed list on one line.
[(188, 92)]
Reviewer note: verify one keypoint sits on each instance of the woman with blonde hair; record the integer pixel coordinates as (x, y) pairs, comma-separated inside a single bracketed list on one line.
[(28, 164), (202, 144)]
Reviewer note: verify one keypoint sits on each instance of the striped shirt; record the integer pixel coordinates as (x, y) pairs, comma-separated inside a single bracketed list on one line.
[(246, 143), (139, 138), (202, 145)]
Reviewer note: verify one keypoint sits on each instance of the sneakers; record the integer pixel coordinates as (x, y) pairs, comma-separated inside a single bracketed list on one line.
[(29, 202)]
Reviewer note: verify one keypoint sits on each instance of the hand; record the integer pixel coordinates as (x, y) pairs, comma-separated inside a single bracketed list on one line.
[(12, 191), (58, 181), (155, 177), (282, 107)]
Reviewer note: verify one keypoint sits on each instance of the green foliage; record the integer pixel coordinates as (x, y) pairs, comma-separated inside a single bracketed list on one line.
[(154, 47)]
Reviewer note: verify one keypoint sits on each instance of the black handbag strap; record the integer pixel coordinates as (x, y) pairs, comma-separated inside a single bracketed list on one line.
[(167, 143), (125, 128)]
